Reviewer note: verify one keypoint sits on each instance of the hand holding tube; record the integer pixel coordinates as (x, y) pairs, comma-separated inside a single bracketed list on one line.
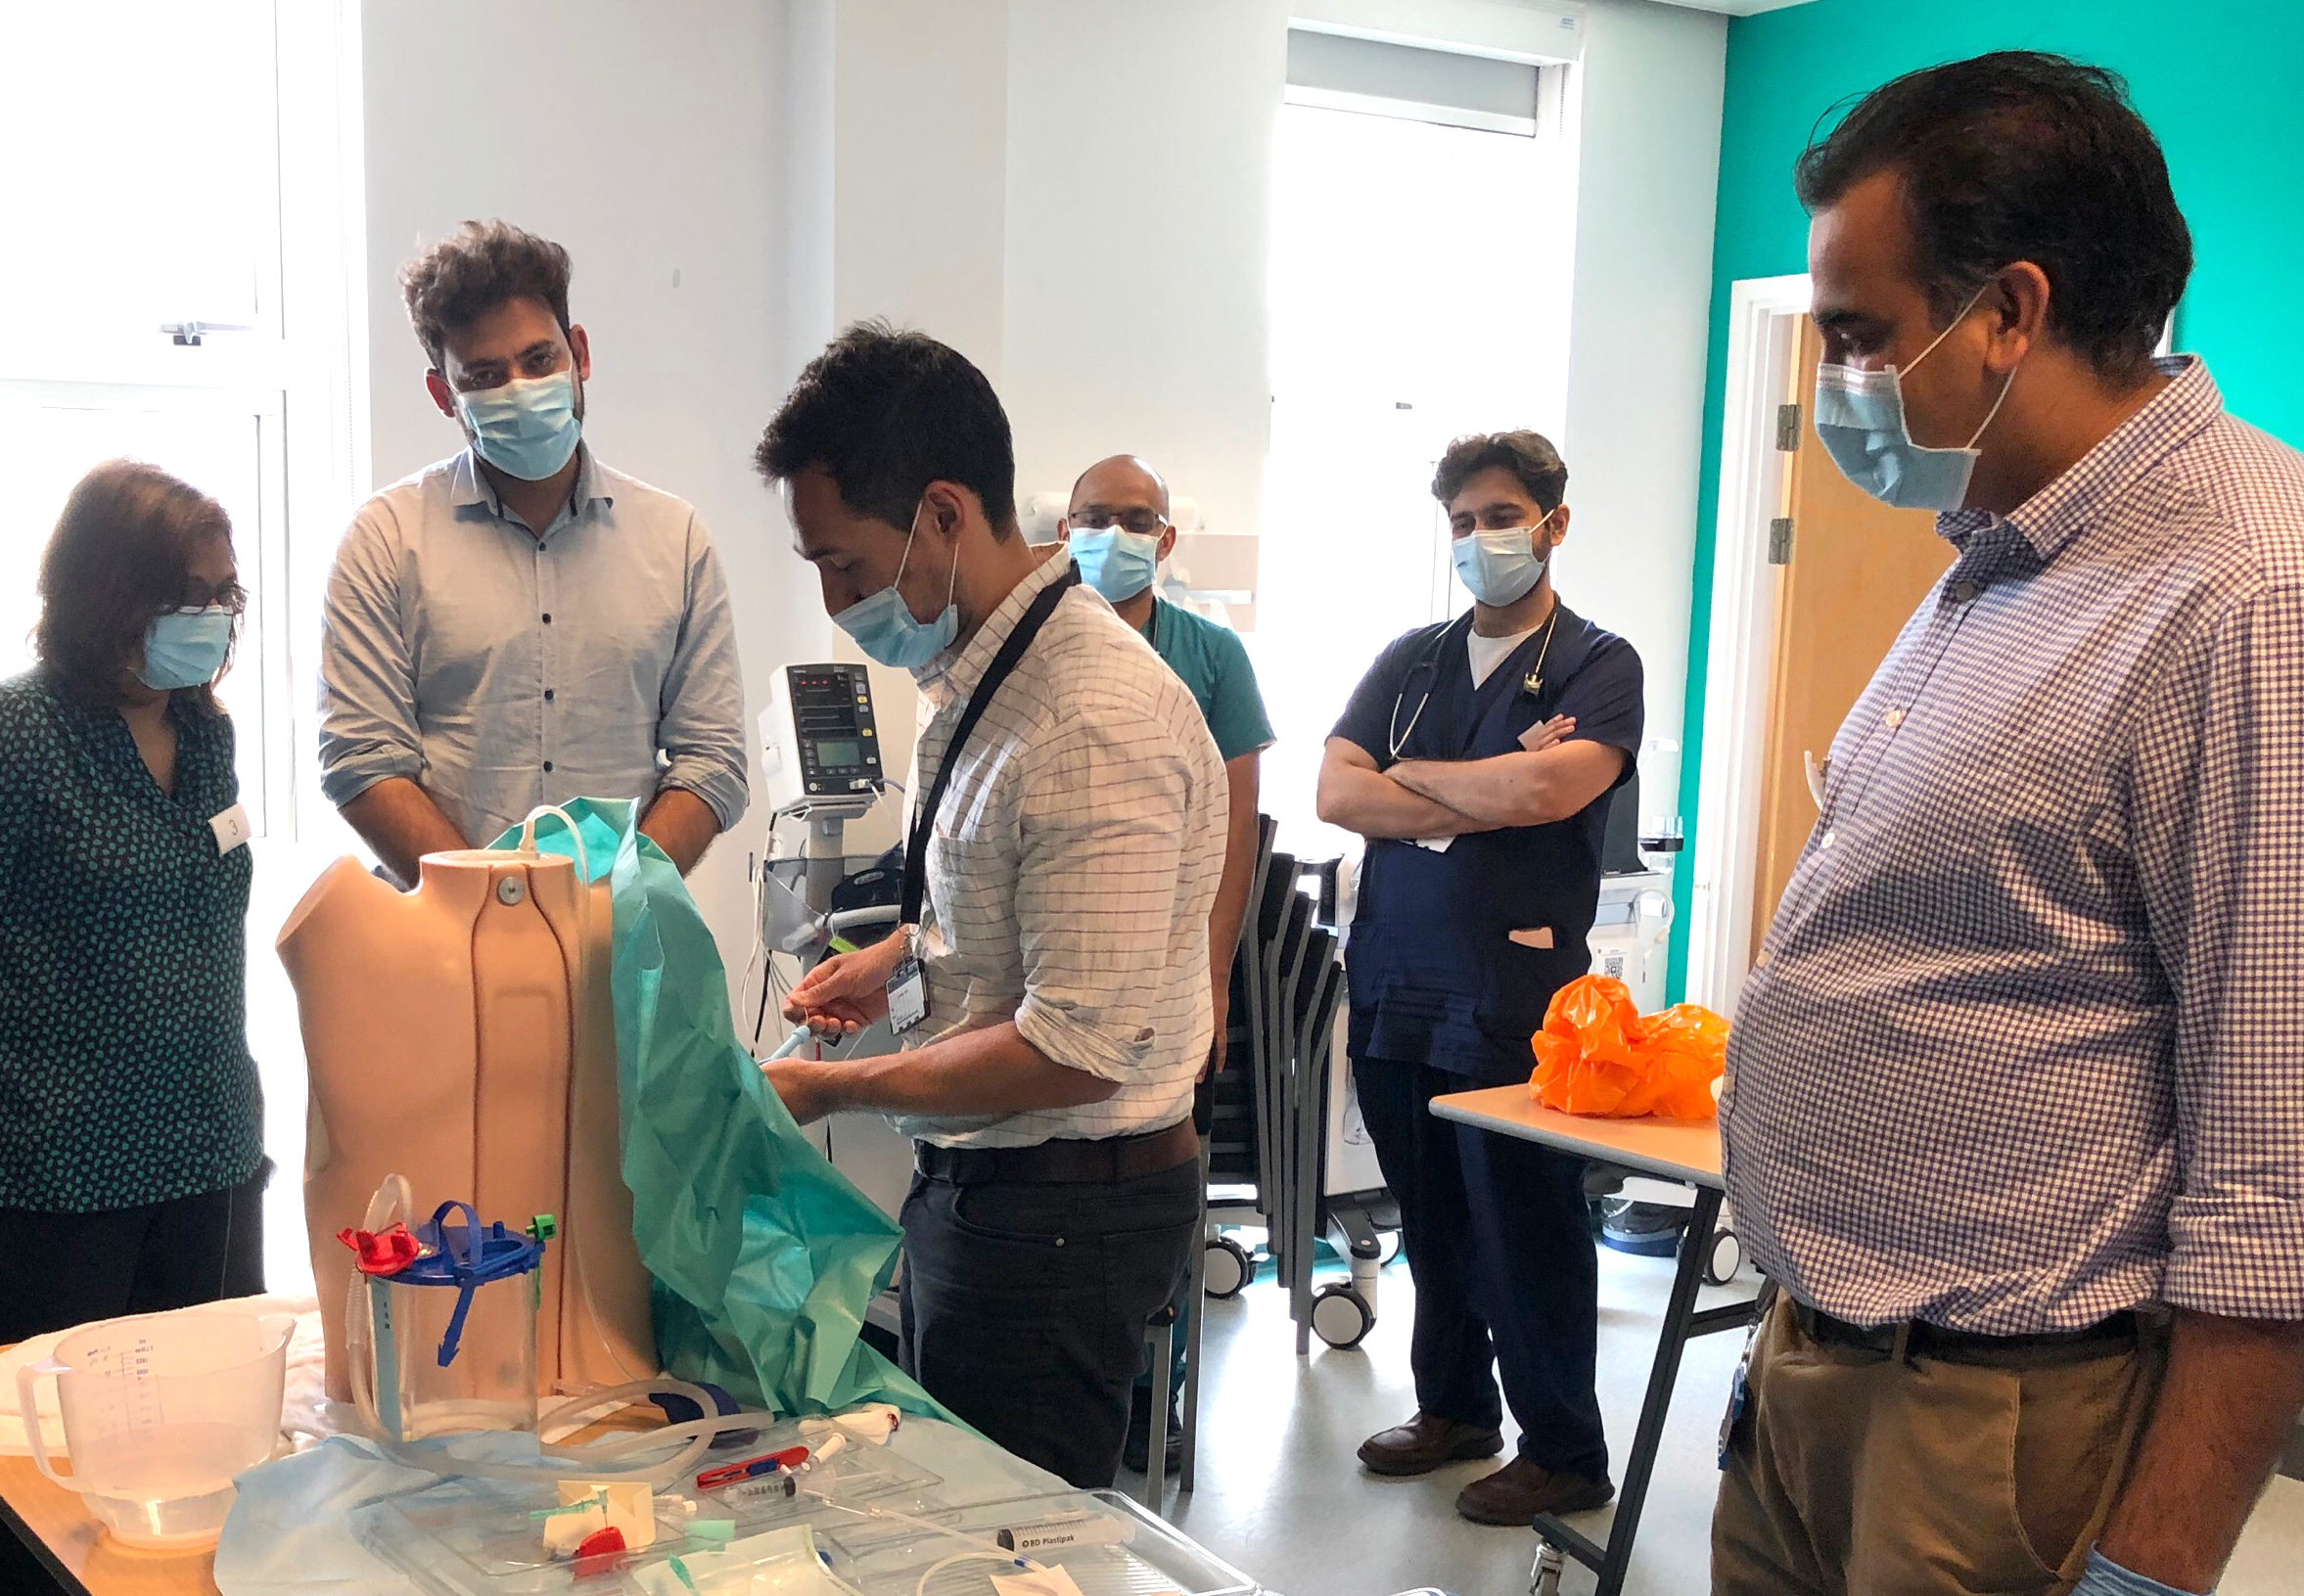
[(845, 992)]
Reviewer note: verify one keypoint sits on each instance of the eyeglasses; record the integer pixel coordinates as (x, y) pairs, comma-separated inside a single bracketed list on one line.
[(1142, 520), (200, 596)]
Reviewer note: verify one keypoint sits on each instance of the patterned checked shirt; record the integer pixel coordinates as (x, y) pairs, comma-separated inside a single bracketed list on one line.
[(1074, 862), (2026, 1044)]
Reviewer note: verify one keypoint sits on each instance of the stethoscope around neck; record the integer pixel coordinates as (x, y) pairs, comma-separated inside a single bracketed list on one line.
[(1429, 662)]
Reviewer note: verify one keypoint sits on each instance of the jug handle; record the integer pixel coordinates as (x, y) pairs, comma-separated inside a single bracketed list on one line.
[(27, 1382)]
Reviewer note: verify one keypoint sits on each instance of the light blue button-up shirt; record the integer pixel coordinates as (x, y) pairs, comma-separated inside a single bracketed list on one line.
[(500, 668)]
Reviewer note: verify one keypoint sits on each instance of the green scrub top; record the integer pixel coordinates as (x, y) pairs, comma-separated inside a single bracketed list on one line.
[(1212, 662)]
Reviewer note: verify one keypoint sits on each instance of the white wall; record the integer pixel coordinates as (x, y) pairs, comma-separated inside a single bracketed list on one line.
[(972, 142), (646, 140), (1651, 85), (738, 178), (1138, 166), (919, 113)]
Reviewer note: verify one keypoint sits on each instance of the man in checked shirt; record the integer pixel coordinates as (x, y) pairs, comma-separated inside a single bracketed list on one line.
[(1064, 843), (2015, 1101)]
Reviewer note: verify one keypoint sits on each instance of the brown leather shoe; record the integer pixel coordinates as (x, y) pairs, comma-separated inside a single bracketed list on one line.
[(1521, 1489), (1425, 1442)]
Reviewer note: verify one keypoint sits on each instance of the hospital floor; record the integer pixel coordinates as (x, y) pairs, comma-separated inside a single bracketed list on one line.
[(1282, 1496)]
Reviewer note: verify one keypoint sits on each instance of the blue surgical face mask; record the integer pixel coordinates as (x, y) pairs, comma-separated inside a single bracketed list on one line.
[(1499, 567), (527, 428), (186, 648), (886, 630), (1860, 420), (1116, 561)]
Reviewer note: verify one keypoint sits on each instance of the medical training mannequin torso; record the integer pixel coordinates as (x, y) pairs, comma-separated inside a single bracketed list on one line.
[(461, 1035)]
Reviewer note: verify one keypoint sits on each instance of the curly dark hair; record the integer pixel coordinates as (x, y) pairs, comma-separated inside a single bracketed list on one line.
[(1529, 456), (475, 269), (120, 557), (884, 413), (2023, 155)]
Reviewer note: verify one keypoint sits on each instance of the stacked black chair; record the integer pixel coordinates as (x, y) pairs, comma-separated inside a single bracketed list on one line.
[(1264, 1117)]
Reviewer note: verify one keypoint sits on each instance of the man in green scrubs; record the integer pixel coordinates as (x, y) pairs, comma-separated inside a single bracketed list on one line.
[(1119, 532)]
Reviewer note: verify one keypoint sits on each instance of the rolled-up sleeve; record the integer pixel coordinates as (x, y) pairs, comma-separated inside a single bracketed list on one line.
[(699, 720), (1103, 824), (367, 679), (2219, 801)]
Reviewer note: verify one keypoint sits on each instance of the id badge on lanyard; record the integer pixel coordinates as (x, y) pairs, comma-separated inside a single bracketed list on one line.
[(907, 987), (907, 984)]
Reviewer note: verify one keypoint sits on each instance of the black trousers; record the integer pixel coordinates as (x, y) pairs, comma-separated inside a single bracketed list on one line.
[(69, 1268), (1499, 1239), (1025, 1306)]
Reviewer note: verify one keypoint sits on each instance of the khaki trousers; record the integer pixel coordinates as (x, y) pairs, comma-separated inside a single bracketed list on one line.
[(1852, 1472)]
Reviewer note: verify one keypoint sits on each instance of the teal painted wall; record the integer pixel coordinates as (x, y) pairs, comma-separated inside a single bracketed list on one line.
[(2218, 80)]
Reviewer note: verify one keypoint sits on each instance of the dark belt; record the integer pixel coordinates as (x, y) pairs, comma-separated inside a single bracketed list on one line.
[(1065, 1161), (1920, 1339)]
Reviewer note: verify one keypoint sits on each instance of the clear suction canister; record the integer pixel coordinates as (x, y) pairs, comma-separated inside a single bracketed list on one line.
[(452, 1337)]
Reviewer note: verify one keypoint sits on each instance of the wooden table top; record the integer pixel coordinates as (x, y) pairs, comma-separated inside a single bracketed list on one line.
[(102, 1566), (1684, 1150)]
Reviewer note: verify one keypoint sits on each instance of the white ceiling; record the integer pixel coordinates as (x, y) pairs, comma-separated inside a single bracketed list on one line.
[(1736, 8)]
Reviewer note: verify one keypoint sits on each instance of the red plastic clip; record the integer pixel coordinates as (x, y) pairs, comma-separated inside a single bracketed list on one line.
[(383, 1251), (599, 1553), (752, 1468)]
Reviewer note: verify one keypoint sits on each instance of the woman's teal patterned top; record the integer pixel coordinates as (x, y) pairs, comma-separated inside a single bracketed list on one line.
[(124, 1072)]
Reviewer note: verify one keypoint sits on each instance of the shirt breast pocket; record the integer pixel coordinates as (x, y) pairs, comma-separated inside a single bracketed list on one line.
[(2014, 849), (468, 639), (972, 876)]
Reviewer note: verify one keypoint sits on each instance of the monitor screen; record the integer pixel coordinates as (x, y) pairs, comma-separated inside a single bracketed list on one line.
[(833, 756)]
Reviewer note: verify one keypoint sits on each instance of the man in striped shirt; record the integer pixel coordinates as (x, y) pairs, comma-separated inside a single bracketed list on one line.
[(2015, 1107), (1076, 837)]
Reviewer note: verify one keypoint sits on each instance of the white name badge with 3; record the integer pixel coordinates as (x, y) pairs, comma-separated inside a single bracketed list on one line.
[(231, 827)]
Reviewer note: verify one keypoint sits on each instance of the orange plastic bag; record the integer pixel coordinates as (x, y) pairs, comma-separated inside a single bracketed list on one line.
[(1688, 1043), (1596, 1055)]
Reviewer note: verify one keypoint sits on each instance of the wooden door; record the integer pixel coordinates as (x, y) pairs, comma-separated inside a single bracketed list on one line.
[(1856, 572)]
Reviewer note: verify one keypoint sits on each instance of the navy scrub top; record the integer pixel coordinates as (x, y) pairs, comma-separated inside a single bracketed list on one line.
[(1434, 974)]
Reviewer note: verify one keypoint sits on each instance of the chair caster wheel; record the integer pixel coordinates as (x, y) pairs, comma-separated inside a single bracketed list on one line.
[(1230, 1269), (1341, 1316)]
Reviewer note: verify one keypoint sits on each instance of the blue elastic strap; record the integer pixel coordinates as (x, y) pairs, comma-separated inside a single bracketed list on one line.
[(472, 1265), (466, 1277)]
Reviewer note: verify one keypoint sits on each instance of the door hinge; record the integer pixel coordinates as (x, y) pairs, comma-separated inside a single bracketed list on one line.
[(1787, 428), (1779, 541)]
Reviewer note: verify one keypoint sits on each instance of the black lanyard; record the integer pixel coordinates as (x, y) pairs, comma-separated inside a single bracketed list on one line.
[(1002, 666)]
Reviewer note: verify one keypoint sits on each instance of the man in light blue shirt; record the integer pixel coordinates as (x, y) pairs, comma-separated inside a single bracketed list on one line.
[(519, 624)]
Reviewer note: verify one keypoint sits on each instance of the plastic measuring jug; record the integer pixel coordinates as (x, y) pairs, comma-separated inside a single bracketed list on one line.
[(159, 1412)]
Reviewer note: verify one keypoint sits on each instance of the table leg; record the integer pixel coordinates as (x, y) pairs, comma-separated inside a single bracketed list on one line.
[(1612, 1561)]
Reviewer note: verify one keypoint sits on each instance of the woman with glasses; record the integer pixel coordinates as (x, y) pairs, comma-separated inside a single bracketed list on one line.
[(131, 1154)]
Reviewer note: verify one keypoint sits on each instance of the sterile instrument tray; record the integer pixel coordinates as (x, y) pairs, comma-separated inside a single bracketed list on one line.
[(856, 1474), (1130, 1552), (471, 1538)]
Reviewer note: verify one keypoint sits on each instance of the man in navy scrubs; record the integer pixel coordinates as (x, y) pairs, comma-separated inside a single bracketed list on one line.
[(1477, 757)]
